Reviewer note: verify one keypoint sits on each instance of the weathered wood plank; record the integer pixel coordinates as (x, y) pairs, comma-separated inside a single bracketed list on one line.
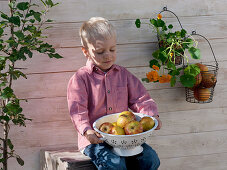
[(202, 162), (190, 144), (116, 10), (67, 35), (37, 134), (55, 84), (168, 146), (44, 134), (130, 55), (31, 157)]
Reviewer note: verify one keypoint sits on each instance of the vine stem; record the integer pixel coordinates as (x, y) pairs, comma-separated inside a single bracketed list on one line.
[(5, 123)]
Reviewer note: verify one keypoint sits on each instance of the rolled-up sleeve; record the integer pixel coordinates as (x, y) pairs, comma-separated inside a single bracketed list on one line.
[(77, 98), (139, 99)]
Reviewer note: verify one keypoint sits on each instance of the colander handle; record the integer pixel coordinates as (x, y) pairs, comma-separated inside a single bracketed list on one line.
[(102, 139)]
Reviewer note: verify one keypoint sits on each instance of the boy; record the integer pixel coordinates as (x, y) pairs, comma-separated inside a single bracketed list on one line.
[(101, 88)]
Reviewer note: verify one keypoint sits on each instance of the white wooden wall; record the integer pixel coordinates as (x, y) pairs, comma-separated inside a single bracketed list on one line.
[(193, 136)]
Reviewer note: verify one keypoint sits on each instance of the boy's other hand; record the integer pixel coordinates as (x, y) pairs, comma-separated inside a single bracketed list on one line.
[(159, 123), (93, 136)]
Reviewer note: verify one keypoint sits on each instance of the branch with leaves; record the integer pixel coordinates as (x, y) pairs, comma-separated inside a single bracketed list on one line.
[(20, 35)]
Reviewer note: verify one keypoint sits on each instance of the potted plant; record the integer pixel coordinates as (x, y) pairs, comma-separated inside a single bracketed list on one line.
[(173, 48)]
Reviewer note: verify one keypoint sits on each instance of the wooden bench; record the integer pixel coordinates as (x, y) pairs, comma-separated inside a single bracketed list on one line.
[(64, 159)]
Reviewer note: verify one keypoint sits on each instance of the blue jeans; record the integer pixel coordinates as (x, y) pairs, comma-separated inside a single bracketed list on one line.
[(104, 159)]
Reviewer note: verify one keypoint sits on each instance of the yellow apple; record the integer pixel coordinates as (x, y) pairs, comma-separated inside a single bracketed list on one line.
[(123, 120), (147, 123), (114, 123), (117, 130), (128, 113), (133, 127), (106, 127)]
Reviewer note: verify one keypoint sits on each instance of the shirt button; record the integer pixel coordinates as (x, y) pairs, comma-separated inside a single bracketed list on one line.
[(108, 91), (110, 108)]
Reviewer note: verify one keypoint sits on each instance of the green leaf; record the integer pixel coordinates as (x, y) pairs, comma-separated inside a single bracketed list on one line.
[(138, 23), (183, 33), (173, 81), (160, 23), (15, 20), (188, 43), (4, 16), (170, 26), (23, 6), (1, 31), (154, 22), (6, 118), (187, 80), (19, 160), (32, 20), (145, 79), (170, 65), (7, 93), (37, 16), (49, 20), (155, 54), (13, 108), (49, 2), (195, 52), (19, 35), (10, 144), (164, 28), (154, 62), (163, 56), (192, 69), (56, 55), (169, 40)]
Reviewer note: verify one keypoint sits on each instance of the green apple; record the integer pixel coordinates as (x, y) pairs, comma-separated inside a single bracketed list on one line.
[(147, 123), (117, 130)]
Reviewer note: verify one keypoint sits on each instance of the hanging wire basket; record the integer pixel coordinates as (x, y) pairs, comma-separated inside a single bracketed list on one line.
[(178, 58), (203, 90)]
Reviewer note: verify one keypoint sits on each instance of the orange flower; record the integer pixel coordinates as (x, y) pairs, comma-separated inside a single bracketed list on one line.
[(159, 16), (155, 67), (171, 54), (165, 78), (152, 76)]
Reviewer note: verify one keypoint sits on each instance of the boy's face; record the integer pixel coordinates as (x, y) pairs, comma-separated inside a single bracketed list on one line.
[(102, 53)]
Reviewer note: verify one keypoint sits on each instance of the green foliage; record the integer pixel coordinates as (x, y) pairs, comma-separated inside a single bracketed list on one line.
[(25, 24), (173, 45)]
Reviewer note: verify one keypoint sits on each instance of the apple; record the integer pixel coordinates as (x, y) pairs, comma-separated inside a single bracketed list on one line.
[(128, 113), (133, 127), (114, 123), (198, 79), (123, 119), (106, 127), (117, 130), (147, 123), (202, 67), (202, 94), (208, 80)]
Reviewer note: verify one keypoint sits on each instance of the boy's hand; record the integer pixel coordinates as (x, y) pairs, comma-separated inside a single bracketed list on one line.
[(159, 123), (93, 136)]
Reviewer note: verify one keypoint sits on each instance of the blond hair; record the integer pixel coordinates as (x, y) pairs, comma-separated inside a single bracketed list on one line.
[(96, 28)]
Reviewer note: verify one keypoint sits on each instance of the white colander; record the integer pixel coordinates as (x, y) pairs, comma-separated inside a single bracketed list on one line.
[(124, 145)]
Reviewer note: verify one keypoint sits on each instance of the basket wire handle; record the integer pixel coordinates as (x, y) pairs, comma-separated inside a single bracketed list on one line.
[(165, 9), (194, 33)]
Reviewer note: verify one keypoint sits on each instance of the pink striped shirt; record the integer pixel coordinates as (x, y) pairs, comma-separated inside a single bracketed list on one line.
[(91, 93)]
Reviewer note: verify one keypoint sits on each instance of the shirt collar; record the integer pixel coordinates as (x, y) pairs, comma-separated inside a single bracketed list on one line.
[(91, 66)]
